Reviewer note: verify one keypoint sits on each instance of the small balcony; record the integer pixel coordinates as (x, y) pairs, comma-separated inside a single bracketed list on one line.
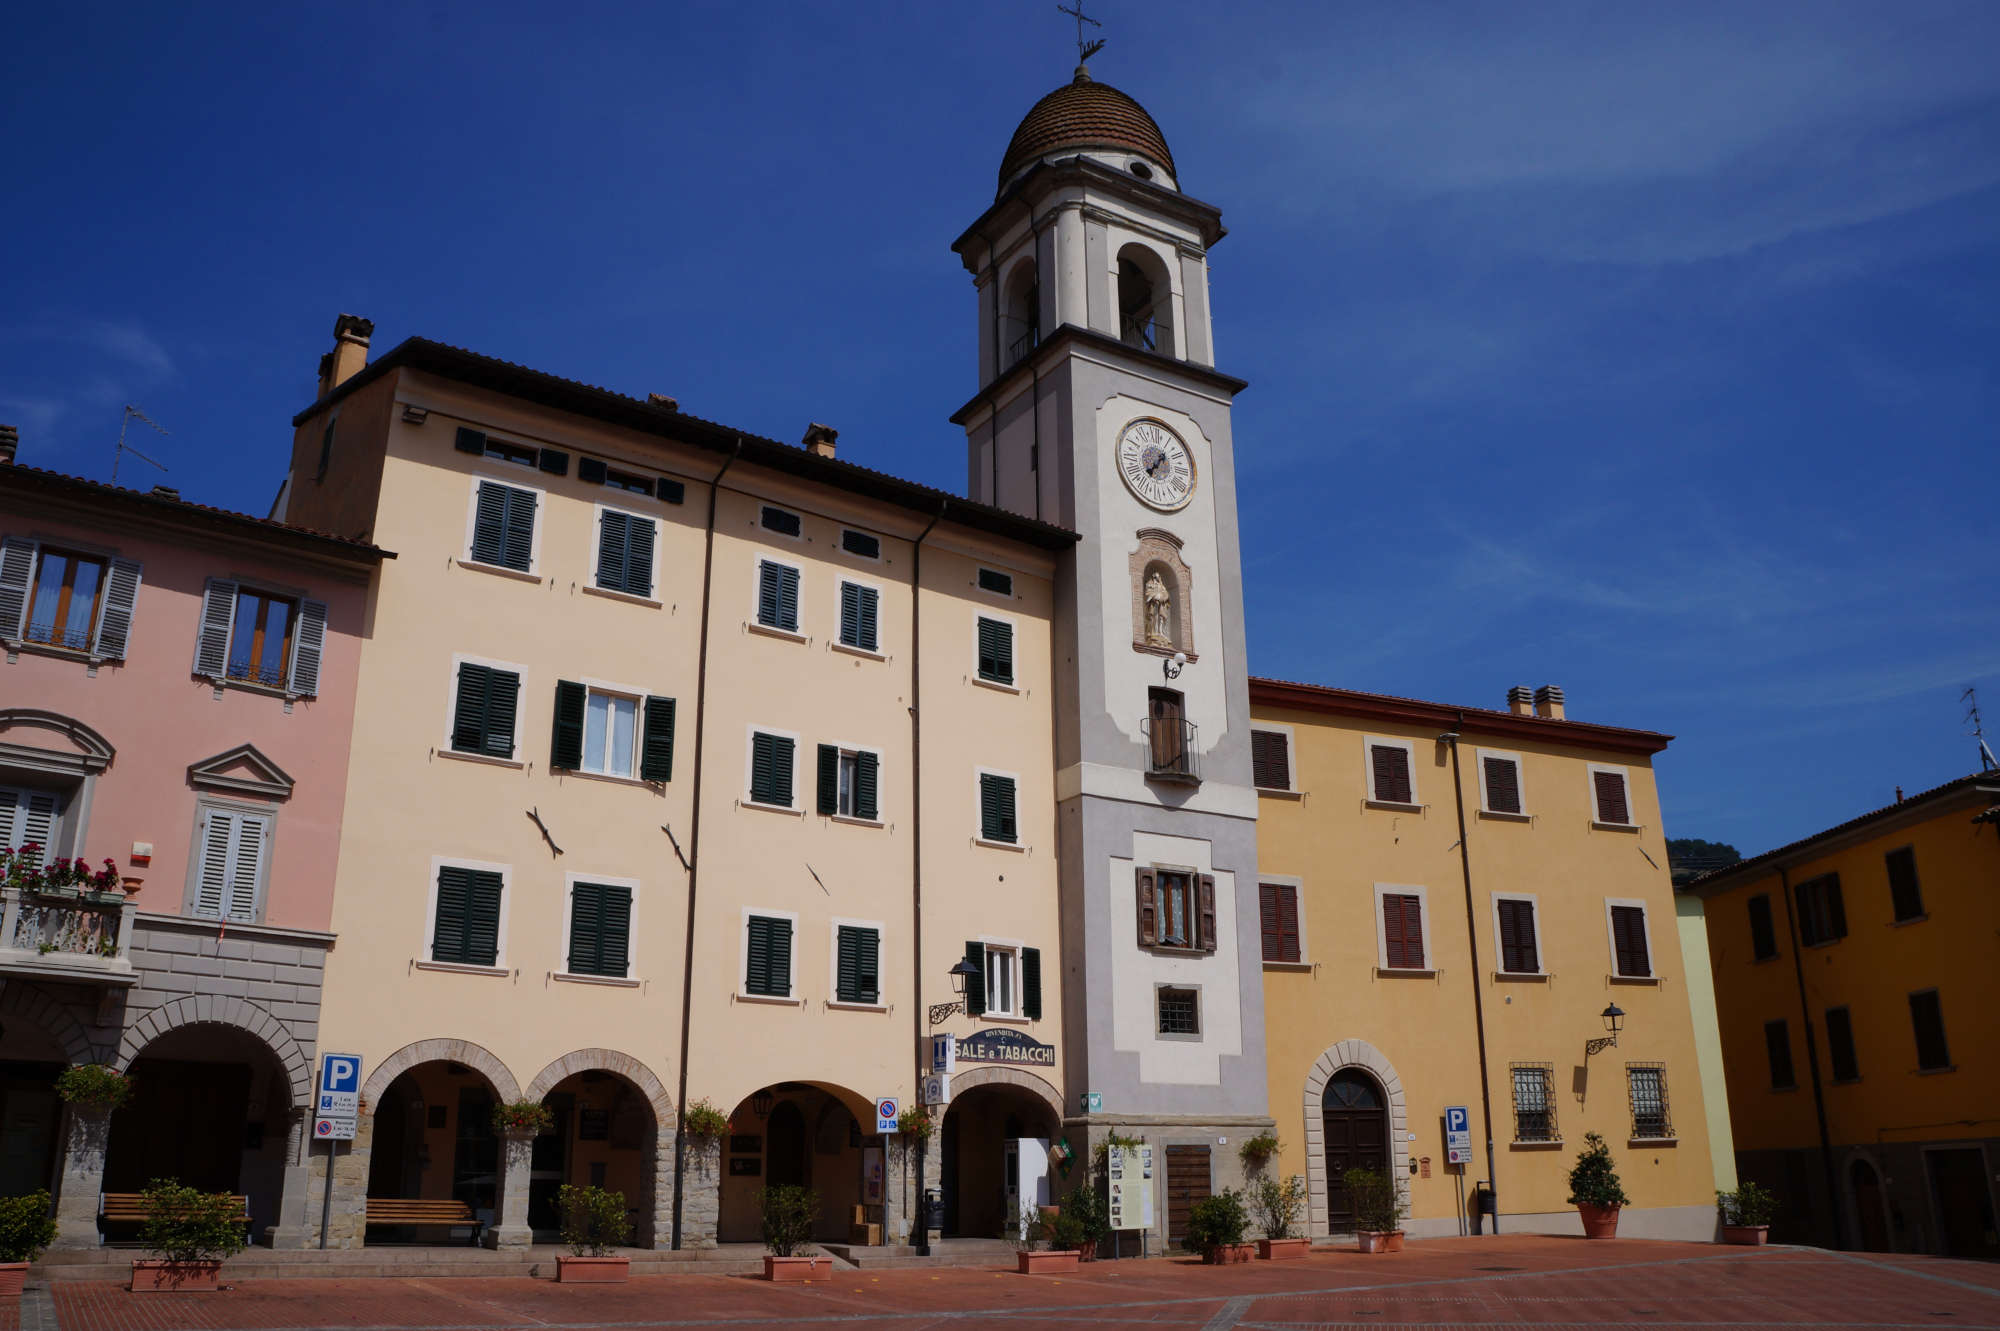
[(1171, 750), (1022, 345), (67, 934)]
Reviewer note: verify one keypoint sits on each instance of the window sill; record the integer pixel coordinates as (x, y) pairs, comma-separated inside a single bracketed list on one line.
[(14, 646), (462, 968), (1522, 977), (1784, 1090), (1395, 806), (852, 821), (793, 811), (1497, 816), (1278, 793), (246, 686), (1014, 846), (519, 575), (1635, 979), (773, 999), (839, 1006), (1758, 961), (1845, 1081), (1402, 972), (1823, 942), (1914, 919), (486, 758), (605, 777), (1003, 1018), (1641, 1143), (610, 981), (996, 685), (613, 594), (1553, 1144), (1270, 965), (1937, 1072), (869, 653), (1617, 827), (773, 631), (1181, 1037)]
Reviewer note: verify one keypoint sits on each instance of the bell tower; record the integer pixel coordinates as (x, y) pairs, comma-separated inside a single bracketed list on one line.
[(1100, 409)]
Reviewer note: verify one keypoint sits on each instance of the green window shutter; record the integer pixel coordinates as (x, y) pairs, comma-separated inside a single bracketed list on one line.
[(468, 717), (975, 985), (788, 599), (782, 776), (996, 807), (757, 957), (850, 614), (591, 471), (470, 441), (482, 919), (586, 927), (639, 557), (566, 743), (613, 539), (554, 461), (770, 598), (448, 927), (467, 927), (489, 521), (847, 984), (1031, 983), (996, 651), (760, 769), (656, 744), (868, 962), (870, 601), (781, 957), (503, 698), (615, 953), (771, 770), (518, 552), (865, 784), (829, 779)]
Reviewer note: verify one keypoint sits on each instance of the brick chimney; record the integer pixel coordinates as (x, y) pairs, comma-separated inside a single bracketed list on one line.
[(1521, 700), (819, 439), (10, 443), (350, 352), (1549, 702)]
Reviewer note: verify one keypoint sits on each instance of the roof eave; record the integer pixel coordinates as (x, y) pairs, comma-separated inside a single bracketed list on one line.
[(1417, 712), (1206, 376)]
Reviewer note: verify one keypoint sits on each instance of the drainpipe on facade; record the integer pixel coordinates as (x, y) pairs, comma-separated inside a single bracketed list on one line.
[(1478, 998), (918, 1009), (1812, 1063), (694, 844)]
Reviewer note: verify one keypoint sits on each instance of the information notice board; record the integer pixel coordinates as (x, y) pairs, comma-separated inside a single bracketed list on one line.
[(1129, 1174)]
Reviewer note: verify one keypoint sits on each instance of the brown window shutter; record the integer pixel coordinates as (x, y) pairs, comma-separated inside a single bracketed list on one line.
[(1628, 933), (1267, 920), (1149, 912), (1611, 805), (1392, 773), (1270, 760), (1207, 939), (1413, 931), (1288, 923), (1403, 931), (1503, 785), (1517, 938)]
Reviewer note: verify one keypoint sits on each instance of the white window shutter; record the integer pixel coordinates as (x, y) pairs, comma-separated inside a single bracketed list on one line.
[(17, 573), (246, 862), (218, 618), (114, 612), (213, 889), (308, 646)]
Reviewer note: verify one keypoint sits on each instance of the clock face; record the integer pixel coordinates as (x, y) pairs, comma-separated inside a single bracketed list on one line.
[(1156, 465)]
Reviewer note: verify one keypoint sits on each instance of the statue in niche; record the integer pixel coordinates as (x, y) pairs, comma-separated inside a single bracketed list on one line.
[(1159, 611)]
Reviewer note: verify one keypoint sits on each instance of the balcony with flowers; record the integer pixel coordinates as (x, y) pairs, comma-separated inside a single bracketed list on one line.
[(62, 919)]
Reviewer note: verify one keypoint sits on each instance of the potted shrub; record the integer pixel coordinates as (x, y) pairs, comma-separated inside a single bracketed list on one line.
[(1087, 1207), (26, 1227), (530, 1116), (1215, 1229), (703, 1122), (1039, 1243), (190, 1233), (93, 1086), (1255, 1152), (1594, 1189), (1746, 1214), (790, 1212), (1277, 1206), (593, 1223), (1378, 1210)]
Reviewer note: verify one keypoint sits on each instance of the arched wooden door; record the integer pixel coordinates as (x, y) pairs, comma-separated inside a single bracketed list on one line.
[(1355, 1114), (786, 1147), (1867, 1187)]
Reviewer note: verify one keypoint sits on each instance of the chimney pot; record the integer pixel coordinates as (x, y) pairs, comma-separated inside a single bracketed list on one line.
[(1521, 700), (350, 352), (166, 492), (819, 440), (10, 443), (1549, 702), (662, 400)]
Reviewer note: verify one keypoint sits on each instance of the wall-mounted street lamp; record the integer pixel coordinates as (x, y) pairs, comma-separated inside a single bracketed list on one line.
[(760, 1104), (963, 972), (1614, 1022), (1172, 668)]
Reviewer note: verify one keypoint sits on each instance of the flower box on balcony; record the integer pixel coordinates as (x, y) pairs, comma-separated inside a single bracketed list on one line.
[(58, 893), (115, 897)]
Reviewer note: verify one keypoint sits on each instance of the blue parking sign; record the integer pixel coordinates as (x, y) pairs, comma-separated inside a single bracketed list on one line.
[(340, 1073), (1457, 1135)]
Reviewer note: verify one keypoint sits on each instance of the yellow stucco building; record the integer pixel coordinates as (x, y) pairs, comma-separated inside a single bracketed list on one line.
[(1437, 882), (1854, 972)]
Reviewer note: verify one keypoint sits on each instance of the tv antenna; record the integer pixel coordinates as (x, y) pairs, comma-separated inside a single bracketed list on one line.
[(124, 448), (1987, 763), (1084, 49)]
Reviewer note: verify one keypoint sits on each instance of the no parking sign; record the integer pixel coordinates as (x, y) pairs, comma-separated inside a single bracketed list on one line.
[(885, 1114)]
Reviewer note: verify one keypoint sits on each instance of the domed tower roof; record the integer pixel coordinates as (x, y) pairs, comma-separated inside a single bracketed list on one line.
[(1084, 114)]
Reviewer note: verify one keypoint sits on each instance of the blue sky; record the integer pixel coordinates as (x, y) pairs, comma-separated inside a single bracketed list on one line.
[(1649, 351)]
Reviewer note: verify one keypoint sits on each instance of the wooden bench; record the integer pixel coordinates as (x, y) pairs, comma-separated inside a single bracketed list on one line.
[(422, 1211), (129, 1208)]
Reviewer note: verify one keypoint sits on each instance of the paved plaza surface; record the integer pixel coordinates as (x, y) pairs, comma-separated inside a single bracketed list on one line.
[(1495, 1281)]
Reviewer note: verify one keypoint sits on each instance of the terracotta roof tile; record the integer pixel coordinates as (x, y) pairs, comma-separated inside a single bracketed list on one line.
[(1084, 114)]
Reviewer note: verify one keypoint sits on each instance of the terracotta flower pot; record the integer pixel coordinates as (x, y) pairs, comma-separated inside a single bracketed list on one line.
[(1378, 1240), (798, 1270), (1229, 1254), (1050, 1262), (593, 1270), (11, 1276), (1282, 1250), (1599, 1222), (150, 1276), (1749, 1236)]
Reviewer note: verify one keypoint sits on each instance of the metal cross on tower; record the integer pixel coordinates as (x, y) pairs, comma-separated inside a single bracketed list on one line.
[(1084, 50)]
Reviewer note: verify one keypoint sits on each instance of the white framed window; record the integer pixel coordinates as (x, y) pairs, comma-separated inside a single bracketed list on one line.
[(1392, 772), (998, 795), (73, 600), (1281, 920), (860, 616), (1003, 977), (850, 782), (1403, 929), (1501, 791), (255, 635), (1610, 797), (626, 554), (30, 816), (483, 709), (1517, 933), (600, 914), (611, 730), (770, 946), (854, 960), (1628, 931), (230, 859), (993, 652), (775, 607), (466, 916), (770, 769), (503, 526), (1271, 759)]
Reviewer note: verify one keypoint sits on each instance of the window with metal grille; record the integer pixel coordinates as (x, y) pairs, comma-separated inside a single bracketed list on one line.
[(1778, 1052), (1534, 1102), (1822, 915), (1646, 1084), (1271, 759), (1180, 1012), (1904, 895), (1763, 936)]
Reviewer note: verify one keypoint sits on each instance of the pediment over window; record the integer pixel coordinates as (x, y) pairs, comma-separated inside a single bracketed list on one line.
[(87, 750), (242, 770)]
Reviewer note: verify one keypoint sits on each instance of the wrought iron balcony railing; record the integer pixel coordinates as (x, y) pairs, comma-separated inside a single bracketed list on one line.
[(1171, 751)]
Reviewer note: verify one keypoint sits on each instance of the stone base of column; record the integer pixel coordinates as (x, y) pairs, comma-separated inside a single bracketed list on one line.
[(701, 1193), (507, 1236), (86, 1131), (291, 1238)]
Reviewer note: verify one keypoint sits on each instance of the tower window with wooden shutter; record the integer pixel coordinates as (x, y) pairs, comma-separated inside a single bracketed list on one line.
[(465, 926), (1763, 934), (600, 930), (1927, 1019), (1389, 779), (30, 821), (1607, 787), (857, 964), (777, 596), (1822, 912), (1520, 950), (1402, 931), (1778, 1053), (1906, 899), (1278, 921), (771, 769), (625, 544), (996, 651), (1630, 954), (858, 616), (1534, 1102), (1840, 1045), (997, 820), (1178, 909), (233, 851), (767, 956), (486, 703), (1500, 777), (503, 526), (1271, 759)]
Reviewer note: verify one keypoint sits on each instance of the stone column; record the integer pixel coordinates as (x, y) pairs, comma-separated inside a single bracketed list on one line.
[(87, 1129), (701, 1192), (296, 1228), (510, 1200)]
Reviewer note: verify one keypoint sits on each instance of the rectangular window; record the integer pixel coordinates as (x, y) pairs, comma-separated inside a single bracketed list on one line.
[(1778, 1051), (500, 450), (600, 930), (1271, 759), (999, 981), (767, 963), (64, 609), (1389, 774), (1646, 1085), (503, 527), (610, 732), (1503, 784), (778, 596), (858, 616), (848, 783), (860, 543), (1534, 1102), (1904, 897), (1612, 805), (1763, 935), (1629, 952), (1180, 1011), (771, 770), (235, 854), (996, 808), (996, 650), (780, 521), (993, 580), (628, 482), (260, 640), (64, 599), (857, 965), (1840, 1045), (487, 703), (1403, 931), (1278, 920), (466, 930), (30, 818), (625, 552), (1822, 914), (1927, 1017), (1519, 954)]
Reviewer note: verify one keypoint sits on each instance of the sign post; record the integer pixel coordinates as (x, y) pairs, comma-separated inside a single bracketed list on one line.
[(885, 1114), (1458, 1151), (336, 1107)]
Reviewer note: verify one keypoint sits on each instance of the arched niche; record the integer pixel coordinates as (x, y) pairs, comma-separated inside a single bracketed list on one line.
[(1157, 555), (1145, 290)]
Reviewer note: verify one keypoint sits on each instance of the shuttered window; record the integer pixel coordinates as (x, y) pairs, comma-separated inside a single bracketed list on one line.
[(996, 650), (1822, 912), (625, 552), (29, 818), (503, 526), (996, 808), (1840, 1045), (656, 741), (771, 770), (975, 980), (778, 596), (993, 580), (848, 780), (1518, 953), (1628, 941), (600, 930), (1271, 759), (1389, 773), (76, 601), (466, 931), (260, 638), (767, 962), (1905, 898), (781, 521), (1927, 1018), (1763, 936), (1278, 920), (485, 705), (1031, 983), (1612, 806), (234, 854), (857, 616), (1778, 1052), (1403, 931), (858, 965), (1503, 784), (860, 544), (1534, 1102)]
